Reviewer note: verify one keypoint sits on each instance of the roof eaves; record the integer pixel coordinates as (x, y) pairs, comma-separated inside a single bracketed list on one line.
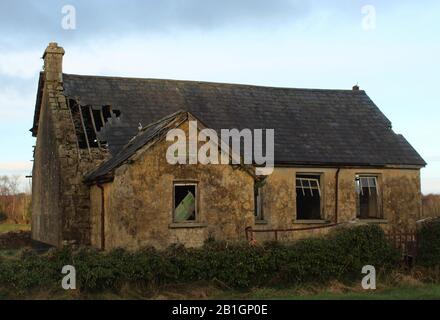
[(40, 89)]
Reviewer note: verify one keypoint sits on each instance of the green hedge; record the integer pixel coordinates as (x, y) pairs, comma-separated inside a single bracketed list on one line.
[(339, 255), (428, 237)]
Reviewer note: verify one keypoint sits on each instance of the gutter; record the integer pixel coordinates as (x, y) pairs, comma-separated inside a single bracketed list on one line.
[(347, 165)]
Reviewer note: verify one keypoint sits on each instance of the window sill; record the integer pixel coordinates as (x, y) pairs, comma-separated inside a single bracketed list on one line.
[(311, 221), (187, 225), (374, 221), (259, 222)]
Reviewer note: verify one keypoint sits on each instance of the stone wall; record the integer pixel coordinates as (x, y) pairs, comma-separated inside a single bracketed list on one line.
[(46, 182), (139, 203), (60, 200), (399, 190)]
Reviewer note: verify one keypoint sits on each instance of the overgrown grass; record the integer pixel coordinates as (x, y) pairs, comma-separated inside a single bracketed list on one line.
[(9, 227), (421, 292), (211, 292), (9, 253)]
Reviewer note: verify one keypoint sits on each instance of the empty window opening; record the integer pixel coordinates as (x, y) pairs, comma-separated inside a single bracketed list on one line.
[(258, 202), (185, 202), (308, 197), (367, 197)]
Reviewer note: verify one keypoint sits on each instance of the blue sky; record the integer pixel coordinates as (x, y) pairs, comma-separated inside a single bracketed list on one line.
[(290, 43)]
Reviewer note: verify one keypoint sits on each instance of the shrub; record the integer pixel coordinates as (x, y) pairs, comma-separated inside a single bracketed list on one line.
[(339, 255), (429, 244)]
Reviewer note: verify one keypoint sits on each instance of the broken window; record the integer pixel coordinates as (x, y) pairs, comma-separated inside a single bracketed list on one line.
[(308, 197), (258, 202), (185, 202), (367, 197)]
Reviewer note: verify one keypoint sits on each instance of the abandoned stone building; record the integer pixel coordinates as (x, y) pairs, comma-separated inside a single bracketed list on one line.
[(101, 177)]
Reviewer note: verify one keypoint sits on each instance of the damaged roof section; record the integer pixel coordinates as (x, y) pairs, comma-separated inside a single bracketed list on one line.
[(92, 123)]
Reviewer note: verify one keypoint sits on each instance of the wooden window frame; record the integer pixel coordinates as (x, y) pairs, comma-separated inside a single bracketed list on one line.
[(359, 192), (258, 204), (173, 205), (310, 189)]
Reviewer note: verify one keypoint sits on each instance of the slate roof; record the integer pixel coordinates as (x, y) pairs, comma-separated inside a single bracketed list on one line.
[(312, 126)]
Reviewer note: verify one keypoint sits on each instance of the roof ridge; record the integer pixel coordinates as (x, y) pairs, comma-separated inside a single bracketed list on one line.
[(212, 83)]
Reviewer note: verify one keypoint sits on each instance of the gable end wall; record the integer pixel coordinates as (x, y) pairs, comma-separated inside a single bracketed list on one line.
[(61, 201)]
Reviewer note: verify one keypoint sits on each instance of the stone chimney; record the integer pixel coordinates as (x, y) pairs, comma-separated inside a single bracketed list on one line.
[(53, 62)]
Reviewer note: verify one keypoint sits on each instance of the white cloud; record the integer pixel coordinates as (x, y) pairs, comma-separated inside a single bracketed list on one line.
[(15, 104), (23, 64)]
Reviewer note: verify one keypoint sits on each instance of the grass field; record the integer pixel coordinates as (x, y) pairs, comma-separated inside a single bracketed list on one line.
[(417, 292), (8, 227)]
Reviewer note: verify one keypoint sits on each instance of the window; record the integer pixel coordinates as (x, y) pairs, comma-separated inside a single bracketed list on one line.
[(308, 197), (258, 202), (367, 197), (185, 202)]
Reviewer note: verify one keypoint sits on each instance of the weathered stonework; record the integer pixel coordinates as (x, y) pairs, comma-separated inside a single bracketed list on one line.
[(139, 203), (399, 192), (61, 201)]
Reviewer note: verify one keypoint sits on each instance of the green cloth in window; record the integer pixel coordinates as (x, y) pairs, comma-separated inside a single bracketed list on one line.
[(186, 209)]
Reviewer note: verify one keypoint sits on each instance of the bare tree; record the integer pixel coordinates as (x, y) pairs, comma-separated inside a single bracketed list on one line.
[(13, 189), (4, 193), (13, 203)]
